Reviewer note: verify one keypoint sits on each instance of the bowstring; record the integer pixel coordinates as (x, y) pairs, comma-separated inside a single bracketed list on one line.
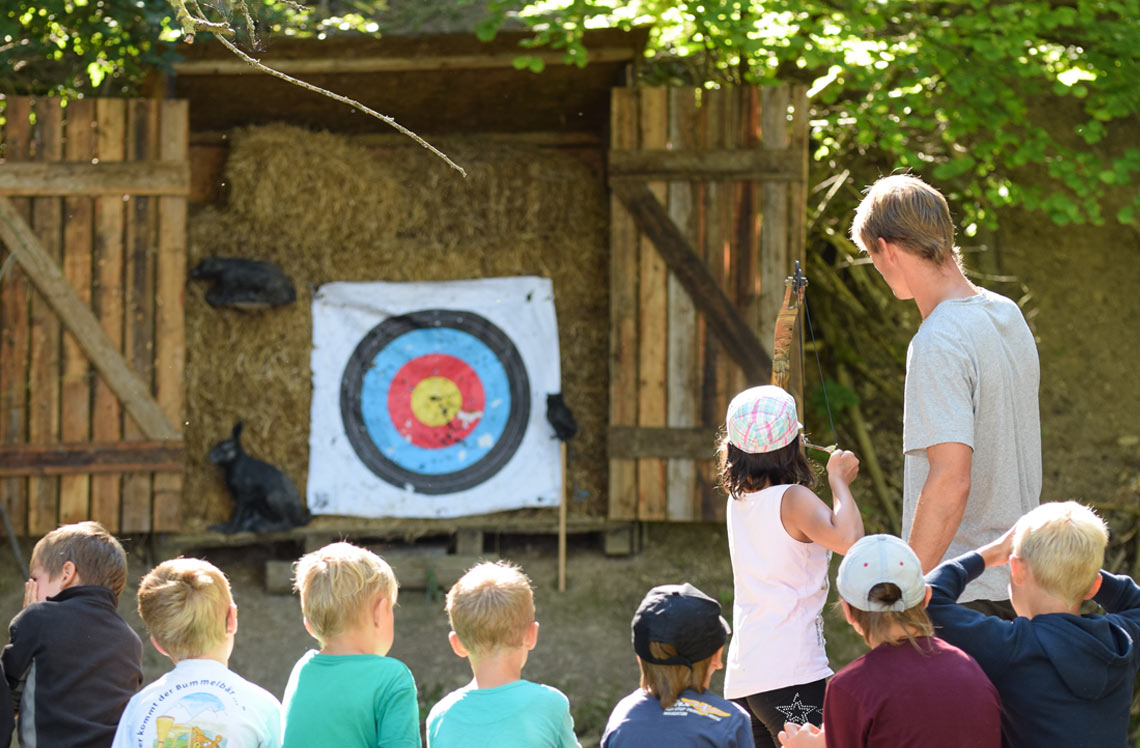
[(819, 367)]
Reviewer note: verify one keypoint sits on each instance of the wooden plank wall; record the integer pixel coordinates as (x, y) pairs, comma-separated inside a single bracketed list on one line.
[(666, 369), (125, 255)]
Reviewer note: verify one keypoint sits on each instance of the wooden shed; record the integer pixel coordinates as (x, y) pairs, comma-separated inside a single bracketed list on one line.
[(701, 194)]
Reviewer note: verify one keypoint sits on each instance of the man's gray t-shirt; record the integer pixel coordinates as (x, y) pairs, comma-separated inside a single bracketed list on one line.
[(972, 377)]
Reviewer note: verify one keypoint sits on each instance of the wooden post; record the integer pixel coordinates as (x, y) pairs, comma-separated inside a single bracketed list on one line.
[(562, 526)]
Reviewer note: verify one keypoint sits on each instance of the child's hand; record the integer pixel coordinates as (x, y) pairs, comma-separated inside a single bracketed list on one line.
[(801, 735), (842, 466), (31, 592), (997, 552)]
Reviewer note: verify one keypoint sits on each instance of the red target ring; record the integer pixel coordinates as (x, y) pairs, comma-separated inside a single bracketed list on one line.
[(435, 400)]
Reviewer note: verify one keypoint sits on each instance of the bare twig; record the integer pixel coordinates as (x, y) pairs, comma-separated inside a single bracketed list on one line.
[(190, 24)]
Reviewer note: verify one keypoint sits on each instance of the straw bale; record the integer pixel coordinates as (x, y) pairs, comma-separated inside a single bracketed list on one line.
[(327, 209)]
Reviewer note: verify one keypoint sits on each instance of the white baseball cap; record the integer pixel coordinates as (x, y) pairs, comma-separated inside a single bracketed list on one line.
[(875, 559)]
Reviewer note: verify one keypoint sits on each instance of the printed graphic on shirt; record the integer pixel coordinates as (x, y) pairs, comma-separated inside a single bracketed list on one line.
[(798, 711), (198, 719), (684, 707)]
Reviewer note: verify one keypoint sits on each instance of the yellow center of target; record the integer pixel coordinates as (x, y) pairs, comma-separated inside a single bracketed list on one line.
[(436, 401)]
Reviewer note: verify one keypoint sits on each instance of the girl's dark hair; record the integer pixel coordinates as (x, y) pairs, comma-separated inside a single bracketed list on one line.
[(741, 472)]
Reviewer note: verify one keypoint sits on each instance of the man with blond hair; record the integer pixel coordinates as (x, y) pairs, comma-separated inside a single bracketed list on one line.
[(971, 426), (1063, 678), (349, 694), (491, 610), (190, 614)]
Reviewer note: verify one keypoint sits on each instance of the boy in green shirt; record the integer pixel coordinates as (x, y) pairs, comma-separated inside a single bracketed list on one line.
[(491, 610), (349, 694)]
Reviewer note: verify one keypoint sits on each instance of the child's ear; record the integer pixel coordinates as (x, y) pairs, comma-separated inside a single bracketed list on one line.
[(382, 610), (1095, 588), (69, 576), (456, 645), (926, 600), (530, 638), (231, 620), (158, 647), (1018, 570), (309, 628)]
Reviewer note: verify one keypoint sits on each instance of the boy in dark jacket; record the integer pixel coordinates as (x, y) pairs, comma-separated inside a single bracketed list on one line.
[(1064, 679), (72, 662)]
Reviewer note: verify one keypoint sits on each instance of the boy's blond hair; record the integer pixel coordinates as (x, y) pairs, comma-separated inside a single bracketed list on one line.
[(98, 557), (184, 603), (491, 606), (904, 210), (666, 682), (1063, 544), (338, 585)]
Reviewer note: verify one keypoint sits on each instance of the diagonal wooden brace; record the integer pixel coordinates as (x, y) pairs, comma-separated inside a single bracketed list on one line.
[(82, 324), (739, 340)]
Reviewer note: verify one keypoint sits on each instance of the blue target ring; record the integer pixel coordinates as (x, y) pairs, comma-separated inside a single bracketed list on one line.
[(385, 444)]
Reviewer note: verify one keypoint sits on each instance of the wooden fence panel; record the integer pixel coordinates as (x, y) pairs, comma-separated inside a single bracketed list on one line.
[(123, 255), (14, 342), (75, 413), (170, 336), (623, 313), (746, 235), (45, 332), (684, 353), (138, 299), (107, 413), (652, 332)]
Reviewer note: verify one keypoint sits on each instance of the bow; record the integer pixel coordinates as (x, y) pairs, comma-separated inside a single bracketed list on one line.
[(785, 328), (786, 319)]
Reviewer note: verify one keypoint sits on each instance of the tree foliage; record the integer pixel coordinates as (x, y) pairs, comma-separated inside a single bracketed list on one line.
[(105, 47), (961, 90), (70, 47)]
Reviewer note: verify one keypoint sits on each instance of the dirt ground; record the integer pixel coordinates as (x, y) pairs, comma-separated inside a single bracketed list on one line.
[(584, 641)]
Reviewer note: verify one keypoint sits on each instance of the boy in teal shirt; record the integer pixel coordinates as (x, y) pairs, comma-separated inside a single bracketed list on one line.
[(349, 694), (491, 610)]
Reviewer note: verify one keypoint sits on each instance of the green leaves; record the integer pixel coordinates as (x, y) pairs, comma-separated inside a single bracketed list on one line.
[(963, 96)]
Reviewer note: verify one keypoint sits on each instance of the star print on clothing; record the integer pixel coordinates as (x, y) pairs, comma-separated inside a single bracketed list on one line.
[(797, 711)]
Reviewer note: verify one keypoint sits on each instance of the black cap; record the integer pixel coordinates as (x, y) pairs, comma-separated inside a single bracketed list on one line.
[(683, 616)]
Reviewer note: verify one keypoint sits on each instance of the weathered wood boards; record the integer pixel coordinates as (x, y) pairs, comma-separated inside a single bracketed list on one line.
[(707, 218), (97, 282)]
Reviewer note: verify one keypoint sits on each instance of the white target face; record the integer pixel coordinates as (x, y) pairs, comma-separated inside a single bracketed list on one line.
[(433, 410)]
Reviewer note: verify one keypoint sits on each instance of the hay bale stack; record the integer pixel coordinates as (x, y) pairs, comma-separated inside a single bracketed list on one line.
[(327, 209)]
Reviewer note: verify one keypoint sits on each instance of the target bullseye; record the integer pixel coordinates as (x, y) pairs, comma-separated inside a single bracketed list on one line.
[(435, 401)]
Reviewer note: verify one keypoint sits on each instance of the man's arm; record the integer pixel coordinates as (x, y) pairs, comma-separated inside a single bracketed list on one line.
[(940, 506)]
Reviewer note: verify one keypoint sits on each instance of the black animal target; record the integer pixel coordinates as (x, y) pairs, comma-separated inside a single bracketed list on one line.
[(435, 401)]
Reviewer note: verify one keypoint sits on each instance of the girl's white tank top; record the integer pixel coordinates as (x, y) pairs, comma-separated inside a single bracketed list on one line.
[(780, 586)]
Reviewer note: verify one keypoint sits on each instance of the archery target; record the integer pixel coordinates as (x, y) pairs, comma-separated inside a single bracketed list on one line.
[(435, 400), (429, 399)]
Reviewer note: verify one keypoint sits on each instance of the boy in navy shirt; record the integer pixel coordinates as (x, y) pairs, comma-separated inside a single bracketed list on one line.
[(679, 636), (1064, 678)]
